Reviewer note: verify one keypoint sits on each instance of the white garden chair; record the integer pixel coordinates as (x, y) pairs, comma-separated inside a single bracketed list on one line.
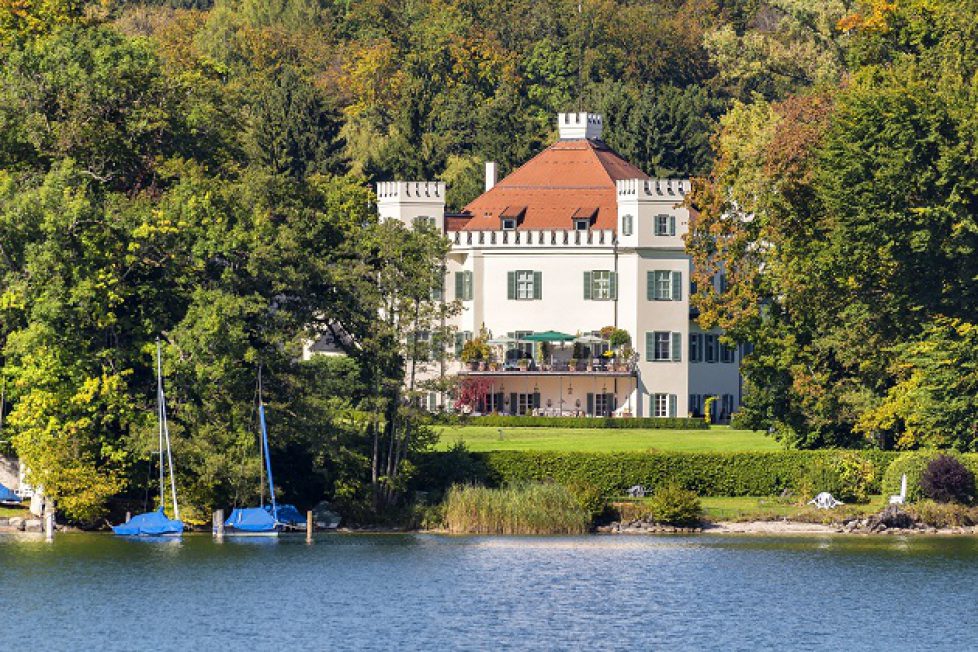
[(902, 498), (825, 500)]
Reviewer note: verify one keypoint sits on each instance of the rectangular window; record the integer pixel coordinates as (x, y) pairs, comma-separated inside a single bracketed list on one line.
[(582, 225), (665, 225), (438, 292), (663, 346), (664, 285), (460, 339), (695, 347), (695, 407), (721, 283), (663, 342), (524, 285), (626, 224), (509, 224), (710, 347), (664, 405), (600, 285), (463, 286), (726, 353), (423, 221)]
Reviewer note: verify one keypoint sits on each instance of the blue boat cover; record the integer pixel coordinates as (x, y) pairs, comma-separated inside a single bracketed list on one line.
[(288, 514), (251, 519), (8, 496), (150, 524)]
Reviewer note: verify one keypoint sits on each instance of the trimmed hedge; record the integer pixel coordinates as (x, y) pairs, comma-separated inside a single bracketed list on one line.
[(500, 421), (708, 474)]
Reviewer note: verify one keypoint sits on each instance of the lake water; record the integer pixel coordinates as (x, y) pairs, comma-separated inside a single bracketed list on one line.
[(424, 592)]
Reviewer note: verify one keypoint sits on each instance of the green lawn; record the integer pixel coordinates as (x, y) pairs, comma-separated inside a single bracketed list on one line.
[(6, 512), (717, 438)]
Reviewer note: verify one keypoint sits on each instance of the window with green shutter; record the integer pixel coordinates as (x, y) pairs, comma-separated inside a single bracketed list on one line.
[(665, 225), (677, 347), (626, 224), (524, 285), (600, 285), (677, 286)]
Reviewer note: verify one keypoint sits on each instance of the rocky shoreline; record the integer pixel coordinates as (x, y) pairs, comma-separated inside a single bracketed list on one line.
[(891, 521), (18, 524)]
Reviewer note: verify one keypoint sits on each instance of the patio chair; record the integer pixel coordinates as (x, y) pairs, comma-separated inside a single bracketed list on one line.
[(825, 500), (902, 498)]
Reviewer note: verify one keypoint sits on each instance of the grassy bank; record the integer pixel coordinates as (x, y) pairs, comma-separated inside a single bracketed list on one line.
[(526, 509), (717, 438), (7, 512)]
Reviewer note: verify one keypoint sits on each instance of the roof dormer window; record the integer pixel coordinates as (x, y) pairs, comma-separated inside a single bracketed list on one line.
[(509, 223), (582, 224)]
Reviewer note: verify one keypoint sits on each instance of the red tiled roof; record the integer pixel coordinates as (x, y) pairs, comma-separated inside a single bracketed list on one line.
[(571, 177)]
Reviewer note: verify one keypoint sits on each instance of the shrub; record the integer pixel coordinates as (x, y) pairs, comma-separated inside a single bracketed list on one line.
[(947, 480), (943, 514), (913, 464), (847, 475), (673, 505), (536, 508), (589, 496)]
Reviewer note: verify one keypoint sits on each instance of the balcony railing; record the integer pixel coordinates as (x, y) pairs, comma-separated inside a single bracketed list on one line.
[(604, 368)]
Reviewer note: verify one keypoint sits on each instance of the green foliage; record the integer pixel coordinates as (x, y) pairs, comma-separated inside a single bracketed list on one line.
[(847, 475), (673, 505), (533, 508), (948, 480), (943, 515), (502, 421), (707, 474), (913, 464)]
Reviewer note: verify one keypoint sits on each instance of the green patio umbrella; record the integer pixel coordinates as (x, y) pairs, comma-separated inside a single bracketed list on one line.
[(548, 336)]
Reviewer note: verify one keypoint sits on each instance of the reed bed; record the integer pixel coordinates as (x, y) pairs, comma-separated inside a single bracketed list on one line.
[(524, 509)]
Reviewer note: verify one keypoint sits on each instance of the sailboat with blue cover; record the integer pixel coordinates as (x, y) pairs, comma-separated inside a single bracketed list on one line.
[(257, 521), (157, 524)]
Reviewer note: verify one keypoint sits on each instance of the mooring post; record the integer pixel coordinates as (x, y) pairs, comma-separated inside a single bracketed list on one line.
[(49, 525), (309, 526), (128, 516), (218, 527)]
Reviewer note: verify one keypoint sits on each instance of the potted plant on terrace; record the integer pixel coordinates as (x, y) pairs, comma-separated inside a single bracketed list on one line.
[(524, 364), (474, 353)]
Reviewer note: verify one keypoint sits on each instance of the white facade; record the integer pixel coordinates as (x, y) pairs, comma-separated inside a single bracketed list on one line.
[(645, 256)]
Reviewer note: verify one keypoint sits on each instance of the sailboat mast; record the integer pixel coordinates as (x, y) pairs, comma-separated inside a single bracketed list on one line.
[(166, 434), (264, 441), (160, 418)]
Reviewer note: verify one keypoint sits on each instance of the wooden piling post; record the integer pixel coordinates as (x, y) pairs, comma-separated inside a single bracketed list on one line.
[(128, 516), (218, 527), (309, 526), (49, 525)]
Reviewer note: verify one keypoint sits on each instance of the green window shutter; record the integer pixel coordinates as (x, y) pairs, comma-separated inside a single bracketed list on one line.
[(649, 346), (459, 343), (536, 400), (587, 286), (590, 404), (459, 285), (650, 285), (614, 285), (510, 285), (677, 286), (512, 403), (677, 347), (469, 285), (672, 225), (537, 285), (672, 406)]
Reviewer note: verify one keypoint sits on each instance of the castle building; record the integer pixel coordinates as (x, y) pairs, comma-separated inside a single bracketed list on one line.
[(572, 242)]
